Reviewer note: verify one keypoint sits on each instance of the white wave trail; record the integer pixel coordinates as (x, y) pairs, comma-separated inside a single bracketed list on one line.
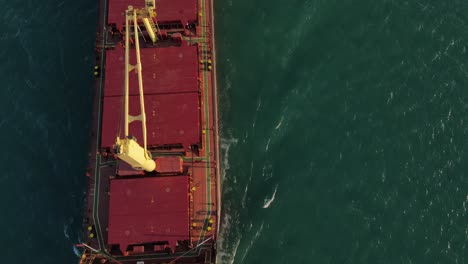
[(225, 145), (227, 251), (268, 202), (279, 123), (244, 197), (268, 144), (252, 241), (65, 231), (76, 251)]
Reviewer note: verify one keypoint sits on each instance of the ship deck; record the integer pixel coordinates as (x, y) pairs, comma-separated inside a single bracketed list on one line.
[(171, 215)]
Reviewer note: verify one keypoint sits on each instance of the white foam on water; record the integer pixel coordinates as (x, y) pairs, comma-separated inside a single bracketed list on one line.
[(267, 171), (234, 252), (280, 128), (268, 201), (65, 231), (268, 144), (279, 123), (232, 70), (244, 197), (224, 257), (229, 237), (66, 227), (226, 251), (225, 226), (259, 105), (252, 241), (76, 251), (225, 145)]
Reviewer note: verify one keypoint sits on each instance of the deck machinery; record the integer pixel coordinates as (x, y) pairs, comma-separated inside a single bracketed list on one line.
[(153, 178)]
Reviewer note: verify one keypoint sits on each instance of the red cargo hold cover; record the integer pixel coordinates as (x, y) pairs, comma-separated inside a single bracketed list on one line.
[(164, 70), (167, 10), (170, 119), (140, 207), (170, 164)]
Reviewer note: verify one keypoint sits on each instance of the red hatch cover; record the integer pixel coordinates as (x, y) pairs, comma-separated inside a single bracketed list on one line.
[(147, 210), (170, 119), (164, 70), (167, 10)]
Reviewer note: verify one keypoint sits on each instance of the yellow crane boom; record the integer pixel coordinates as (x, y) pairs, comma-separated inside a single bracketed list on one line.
[(127, 149)]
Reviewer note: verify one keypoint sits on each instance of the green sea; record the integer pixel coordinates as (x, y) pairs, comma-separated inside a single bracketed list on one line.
[(344, 127), (343, 130)]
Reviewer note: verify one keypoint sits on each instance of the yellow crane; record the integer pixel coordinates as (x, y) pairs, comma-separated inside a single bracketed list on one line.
[(127, 148)]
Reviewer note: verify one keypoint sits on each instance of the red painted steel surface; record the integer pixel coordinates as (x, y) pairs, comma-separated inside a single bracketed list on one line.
[(172, 164), (148, 209), (167, 10), (164, 70), (170, 119)]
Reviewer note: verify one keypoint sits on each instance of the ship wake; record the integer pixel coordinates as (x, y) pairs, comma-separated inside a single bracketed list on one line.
[(269, 201)]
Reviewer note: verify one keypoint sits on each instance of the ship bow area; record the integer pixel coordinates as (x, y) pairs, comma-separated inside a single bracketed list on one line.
[(169, 215)]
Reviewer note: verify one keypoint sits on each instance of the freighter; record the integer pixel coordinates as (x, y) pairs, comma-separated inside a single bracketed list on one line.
[(153, 191)]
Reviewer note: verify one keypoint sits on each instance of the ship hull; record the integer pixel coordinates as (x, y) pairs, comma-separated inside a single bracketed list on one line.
[(170, 215)]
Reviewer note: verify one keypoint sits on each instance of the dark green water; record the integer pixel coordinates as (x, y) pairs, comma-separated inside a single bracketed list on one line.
[(355, 114), (347, 120), (46, 52)]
